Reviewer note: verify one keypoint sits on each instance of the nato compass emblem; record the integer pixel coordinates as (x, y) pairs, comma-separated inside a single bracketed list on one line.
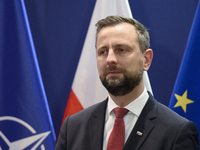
[(33, 141)]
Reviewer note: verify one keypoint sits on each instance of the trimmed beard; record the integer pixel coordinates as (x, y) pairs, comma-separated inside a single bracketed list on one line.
[(122, 86)]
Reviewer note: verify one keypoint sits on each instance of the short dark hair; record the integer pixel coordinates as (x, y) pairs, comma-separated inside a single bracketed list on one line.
[(143, 34)]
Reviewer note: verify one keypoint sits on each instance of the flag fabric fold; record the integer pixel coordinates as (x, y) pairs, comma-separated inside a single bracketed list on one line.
[(25, 120), (185, 99), (87, 88)]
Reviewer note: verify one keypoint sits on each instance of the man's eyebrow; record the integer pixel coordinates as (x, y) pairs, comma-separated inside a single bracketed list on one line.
[(102, 47), (123, 44)]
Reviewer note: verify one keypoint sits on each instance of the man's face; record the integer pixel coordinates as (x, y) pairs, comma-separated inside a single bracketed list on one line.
[(119, 59)]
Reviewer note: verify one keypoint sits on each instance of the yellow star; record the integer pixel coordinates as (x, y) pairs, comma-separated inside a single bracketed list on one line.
[(182, 101)]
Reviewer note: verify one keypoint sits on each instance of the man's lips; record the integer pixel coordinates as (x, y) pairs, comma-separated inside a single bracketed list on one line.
[(113, 73)]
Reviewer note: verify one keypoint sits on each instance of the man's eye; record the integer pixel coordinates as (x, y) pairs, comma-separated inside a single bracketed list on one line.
[(121, 50), (103, 52)]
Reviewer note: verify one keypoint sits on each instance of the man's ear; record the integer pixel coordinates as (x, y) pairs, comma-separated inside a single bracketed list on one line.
[(148, 56)]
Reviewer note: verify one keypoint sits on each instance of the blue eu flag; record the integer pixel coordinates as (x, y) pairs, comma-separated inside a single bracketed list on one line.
[(25, 121), (185, 99)]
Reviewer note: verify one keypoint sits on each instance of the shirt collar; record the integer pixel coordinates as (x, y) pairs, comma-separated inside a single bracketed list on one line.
[(135, 106)]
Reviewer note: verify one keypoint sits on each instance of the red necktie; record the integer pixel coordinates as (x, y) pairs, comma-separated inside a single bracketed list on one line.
[(116, 139)]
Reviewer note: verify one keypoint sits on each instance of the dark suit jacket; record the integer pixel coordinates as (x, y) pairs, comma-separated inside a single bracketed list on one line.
[(162, 129)]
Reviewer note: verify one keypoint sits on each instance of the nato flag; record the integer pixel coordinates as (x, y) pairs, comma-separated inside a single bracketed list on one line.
[(25, 121), (185, 99)]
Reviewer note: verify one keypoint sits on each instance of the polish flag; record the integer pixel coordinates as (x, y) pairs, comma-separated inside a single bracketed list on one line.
[(87, 88)]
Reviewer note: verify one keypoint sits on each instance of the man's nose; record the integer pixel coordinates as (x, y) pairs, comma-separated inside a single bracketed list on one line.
[(111, 58)]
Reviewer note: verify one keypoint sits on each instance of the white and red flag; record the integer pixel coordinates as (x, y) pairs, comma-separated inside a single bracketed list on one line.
[(87, 88)]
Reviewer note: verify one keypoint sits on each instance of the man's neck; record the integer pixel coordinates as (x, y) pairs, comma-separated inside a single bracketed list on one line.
[(124, 100)]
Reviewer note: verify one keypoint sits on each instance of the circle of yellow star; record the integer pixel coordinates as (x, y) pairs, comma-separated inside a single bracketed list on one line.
[(182, 101)]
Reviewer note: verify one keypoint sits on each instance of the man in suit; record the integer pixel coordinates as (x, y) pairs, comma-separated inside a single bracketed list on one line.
[(123, 53)]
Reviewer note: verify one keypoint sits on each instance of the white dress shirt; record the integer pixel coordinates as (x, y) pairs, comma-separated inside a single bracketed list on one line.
[(130, 118)]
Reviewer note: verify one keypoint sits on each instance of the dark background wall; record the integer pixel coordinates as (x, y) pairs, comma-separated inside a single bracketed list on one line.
[(59, 28)]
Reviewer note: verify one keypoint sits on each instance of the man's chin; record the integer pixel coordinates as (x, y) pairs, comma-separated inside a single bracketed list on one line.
[(114, 82)]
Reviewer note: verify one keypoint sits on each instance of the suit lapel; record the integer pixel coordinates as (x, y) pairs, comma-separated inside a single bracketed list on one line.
[(144, 125), (96, 125)]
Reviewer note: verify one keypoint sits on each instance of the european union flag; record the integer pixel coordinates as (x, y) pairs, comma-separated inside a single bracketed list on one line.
[(185, 99), (25, 121)]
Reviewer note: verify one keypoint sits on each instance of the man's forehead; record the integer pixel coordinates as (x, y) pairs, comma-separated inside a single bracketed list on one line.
[(118, 30), (119, 25), (122, 27)]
